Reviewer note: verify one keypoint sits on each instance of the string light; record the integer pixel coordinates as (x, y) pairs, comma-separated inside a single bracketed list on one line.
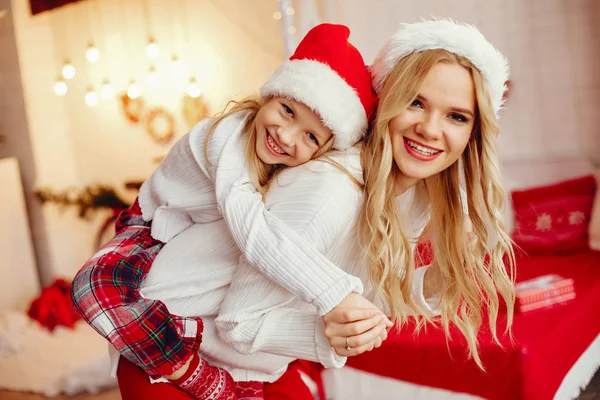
[(290, 11), (68, 70), (107, 91), (133, 90), (92, 53), (91, 97), (176, 65), (152, 49), (60, 87), (276, 15), (292, 30), (193, 88), (153, 78)]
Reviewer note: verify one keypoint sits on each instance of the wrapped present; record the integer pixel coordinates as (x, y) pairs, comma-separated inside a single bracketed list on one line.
[(544, 292), (547, 303)]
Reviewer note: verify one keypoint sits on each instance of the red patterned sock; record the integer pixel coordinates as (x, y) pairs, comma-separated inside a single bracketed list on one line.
[(250, 390), (204, 382)]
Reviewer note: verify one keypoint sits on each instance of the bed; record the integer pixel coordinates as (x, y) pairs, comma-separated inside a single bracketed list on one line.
[(555, 352)]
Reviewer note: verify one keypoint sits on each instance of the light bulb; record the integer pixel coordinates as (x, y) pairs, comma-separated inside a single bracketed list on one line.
[(176, 66), (194, 89), (153, 78), (152, 49), (91, 98), (276, 15), (60, 87), (107, 91), (92, 53), (133, 90), (68, 71), (292, 30), (290, 11)]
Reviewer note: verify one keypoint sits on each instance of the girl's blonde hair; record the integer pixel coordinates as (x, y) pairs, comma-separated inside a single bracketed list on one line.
[(260, 172), (472, 274)]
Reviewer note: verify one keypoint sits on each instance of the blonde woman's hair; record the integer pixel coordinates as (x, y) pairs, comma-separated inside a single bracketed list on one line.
[(260, 172), (473, 274)]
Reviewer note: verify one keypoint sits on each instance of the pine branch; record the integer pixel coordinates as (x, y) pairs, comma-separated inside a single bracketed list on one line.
[(89, 199)]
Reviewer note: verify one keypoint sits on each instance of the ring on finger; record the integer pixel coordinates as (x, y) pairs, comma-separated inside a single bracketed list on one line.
[(348, 344)]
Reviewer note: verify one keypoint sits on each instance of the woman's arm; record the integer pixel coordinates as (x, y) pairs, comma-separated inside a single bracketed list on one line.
[(320, 206)]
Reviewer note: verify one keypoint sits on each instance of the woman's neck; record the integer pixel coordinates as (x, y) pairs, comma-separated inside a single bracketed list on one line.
[(403, 183)]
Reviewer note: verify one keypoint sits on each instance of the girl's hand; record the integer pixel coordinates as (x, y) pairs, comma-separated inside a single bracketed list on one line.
[(356, 325)]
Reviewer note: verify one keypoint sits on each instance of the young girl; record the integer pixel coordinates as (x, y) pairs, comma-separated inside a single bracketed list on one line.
[(319, 100)]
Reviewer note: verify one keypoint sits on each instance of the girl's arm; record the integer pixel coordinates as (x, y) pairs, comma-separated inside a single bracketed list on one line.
[(320, 208), (277, 250), (284, 256)]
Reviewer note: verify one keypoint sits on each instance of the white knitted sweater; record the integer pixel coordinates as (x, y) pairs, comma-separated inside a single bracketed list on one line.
[(261, 308), (188, 188)]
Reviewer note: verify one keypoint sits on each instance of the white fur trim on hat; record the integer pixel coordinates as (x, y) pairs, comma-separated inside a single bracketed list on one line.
[(319, 87), (461, 39)]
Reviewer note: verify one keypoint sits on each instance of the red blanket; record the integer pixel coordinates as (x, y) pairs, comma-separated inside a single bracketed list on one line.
[(546, 343)]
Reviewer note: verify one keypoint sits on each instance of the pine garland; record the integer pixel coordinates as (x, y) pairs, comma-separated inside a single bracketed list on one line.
[(90, 198)]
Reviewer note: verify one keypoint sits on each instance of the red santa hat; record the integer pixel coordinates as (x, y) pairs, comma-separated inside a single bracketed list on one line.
[(461, 39), (328, 74)]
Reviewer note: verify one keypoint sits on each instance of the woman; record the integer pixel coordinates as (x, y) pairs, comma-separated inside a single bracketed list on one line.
[(449, 83), (440, 86)]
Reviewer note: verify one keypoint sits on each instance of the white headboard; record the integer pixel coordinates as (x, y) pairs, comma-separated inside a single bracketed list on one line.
[(530, 173)]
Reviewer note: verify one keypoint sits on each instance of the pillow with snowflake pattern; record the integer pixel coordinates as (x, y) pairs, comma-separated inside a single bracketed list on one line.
[(554, 218)]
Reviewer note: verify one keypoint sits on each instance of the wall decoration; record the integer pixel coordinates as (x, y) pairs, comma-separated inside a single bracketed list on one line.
[(160, 125), (132, 107), (88, 200)]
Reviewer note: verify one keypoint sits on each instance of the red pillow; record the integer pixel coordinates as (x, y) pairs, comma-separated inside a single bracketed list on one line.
[(555, 218)]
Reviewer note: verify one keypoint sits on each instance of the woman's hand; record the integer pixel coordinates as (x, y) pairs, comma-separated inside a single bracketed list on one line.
[(355, 325)]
